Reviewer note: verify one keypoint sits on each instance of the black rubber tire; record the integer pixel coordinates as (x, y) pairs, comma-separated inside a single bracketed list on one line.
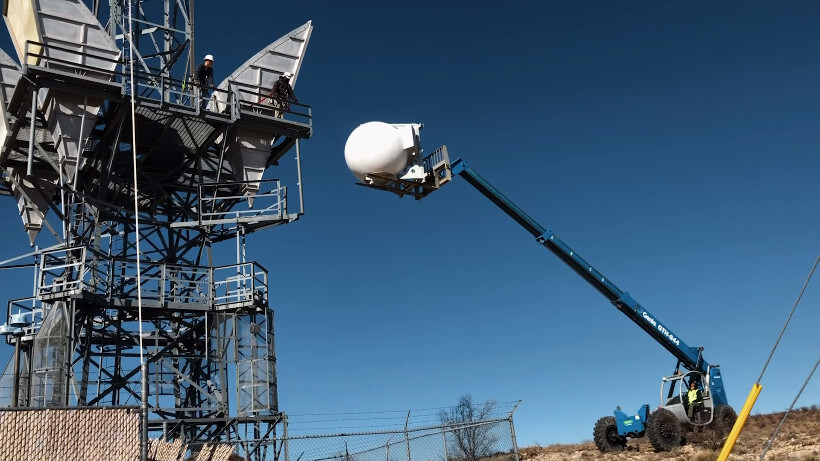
[(724, 419), (663, 430), (606, 436)]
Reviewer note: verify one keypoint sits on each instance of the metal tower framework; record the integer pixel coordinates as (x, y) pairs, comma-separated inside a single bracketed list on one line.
[(67, 159)]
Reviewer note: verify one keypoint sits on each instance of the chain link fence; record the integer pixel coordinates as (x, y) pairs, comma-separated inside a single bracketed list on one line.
[(482, 440), (417, 435), (468, 432), (39, 434)]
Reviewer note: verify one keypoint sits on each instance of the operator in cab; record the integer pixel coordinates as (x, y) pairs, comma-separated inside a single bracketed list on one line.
[(694, 399)]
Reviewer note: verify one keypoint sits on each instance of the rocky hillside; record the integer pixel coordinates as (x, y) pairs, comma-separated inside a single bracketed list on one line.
[(798, 439)]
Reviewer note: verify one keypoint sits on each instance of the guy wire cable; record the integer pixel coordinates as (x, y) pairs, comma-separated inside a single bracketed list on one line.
[(782, 331), (788, 319), (143, 365), (783, 421)]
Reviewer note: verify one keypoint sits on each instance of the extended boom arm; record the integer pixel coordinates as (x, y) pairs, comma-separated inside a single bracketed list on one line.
[(690, 357)]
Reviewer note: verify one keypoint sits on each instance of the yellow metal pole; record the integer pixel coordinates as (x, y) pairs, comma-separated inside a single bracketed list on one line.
[(741, 421)]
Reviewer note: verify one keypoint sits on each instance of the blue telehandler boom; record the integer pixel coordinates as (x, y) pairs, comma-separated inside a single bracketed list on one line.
[(665, 427)]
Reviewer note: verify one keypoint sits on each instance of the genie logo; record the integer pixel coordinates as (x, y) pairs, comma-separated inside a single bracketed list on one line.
[(668, 334)]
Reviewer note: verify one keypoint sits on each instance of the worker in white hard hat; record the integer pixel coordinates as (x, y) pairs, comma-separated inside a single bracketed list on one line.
[(282, 94), (204, 79)]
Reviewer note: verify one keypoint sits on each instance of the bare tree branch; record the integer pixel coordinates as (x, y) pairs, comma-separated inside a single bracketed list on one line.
[(472, 441)]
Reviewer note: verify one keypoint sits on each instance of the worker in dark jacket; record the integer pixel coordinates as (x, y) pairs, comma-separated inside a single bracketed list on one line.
[(694, 397), (204, 79), (282, 94)]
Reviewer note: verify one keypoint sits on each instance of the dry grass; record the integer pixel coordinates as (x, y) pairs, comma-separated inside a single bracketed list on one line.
[(798, 440)]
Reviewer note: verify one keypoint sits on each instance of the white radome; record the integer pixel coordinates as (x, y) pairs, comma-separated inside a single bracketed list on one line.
[(375, 147)]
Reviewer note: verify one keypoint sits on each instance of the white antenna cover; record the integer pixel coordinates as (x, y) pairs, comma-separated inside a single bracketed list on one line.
[(378, 147)]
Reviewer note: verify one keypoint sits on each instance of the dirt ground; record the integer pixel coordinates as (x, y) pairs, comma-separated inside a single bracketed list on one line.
[(798, 440)]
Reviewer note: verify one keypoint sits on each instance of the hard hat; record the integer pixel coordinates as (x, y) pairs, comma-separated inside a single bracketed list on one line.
[(209, 57), (287, 75)]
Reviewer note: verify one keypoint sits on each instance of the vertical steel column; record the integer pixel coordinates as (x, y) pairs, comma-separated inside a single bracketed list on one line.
[(30, 365), (80, 144), (257, 434), (223, 359), (166, 21), (86, 354), (71, 313), (299, 178), (16, 386), (117, 371), (114, 13), (189, 31), (144, 416), (32, 127)]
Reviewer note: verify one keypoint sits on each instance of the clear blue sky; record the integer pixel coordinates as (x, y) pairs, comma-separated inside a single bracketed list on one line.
[(673, 144)]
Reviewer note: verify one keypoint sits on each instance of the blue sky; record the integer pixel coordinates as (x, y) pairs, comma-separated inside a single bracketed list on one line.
[(673, 144)]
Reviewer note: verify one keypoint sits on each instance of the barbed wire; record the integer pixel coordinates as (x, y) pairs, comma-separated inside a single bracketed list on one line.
[(301, 423), (505, 404)]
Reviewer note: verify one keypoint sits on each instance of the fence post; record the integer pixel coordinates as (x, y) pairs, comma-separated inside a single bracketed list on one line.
[(285, 437), (444, 437), (512, 430), (407, 435)]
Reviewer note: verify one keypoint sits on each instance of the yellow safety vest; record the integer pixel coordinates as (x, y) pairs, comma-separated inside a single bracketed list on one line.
[(692, 395)]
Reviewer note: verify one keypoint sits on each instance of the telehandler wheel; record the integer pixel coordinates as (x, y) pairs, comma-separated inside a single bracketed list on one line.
[(663, 430), (606, 435), (724, 419)]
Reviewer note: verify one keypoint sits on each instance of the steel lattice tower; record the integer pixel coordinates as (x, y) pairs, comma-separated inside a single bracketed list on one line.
[(67, 159)]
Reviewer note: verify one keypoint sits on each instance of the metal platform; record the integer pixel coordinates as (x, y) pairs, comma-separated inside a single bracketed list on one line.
[(437, 172)]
